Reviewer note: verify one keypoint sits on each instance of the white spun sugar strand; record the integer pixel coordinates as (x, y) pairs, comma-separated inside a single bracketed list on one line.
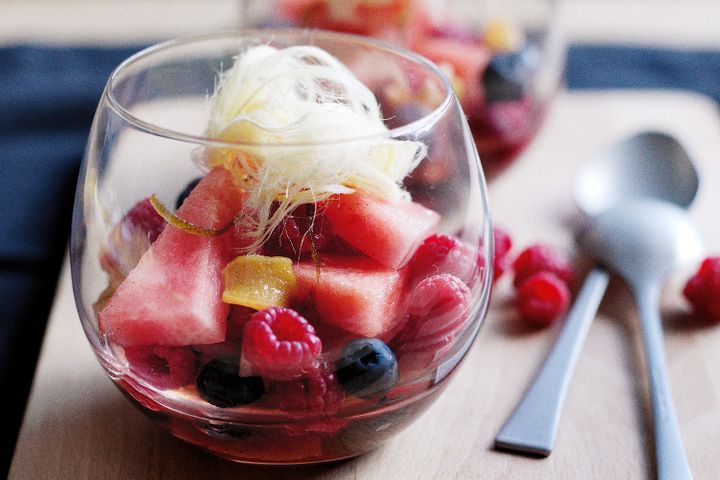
[(311, 129)]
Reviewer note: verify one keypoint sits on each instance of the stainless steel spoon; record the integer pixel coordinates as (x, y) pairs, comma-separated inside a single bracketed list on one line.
[(647, 165), (644, 241)]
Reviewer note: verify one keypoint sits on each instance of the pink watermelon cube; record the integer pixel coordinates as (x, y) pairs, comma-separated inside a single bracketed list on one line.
[(387, 232), (173, 296), (355, 294)]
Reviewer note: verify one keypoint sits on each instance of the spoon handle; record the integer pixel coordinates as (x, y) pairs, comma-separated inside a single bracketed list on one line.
[(533, 425), (670, 457)]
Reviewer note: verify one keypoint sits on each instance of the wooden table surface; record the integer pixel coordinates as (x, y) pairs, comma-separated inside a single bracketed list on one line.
[(79, 426)]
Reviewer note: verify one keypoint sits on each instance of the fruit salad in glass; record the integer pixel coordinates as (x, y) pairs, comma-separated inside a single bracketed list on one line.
[(253, 261), (504, 59)]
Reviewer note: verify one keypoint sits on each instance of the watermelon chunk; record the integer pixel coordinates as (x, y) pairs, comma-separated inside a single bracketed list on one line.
[(173, 296), (385, 231), (355, 294)]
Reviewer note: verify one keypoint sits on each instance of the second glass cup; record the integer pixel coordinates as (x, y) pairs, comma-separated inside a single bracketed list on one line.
[(504, 58)]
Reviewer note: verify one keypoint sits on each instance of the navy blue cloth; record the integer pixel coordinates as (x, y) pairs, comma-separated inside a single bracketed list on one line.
[(605, 67), (47, 100)]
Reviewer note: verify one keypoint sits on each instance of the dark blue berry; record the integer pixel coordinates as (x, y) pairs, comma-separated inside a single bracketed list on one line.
[(508, 75), (184, 194), (219, 383), (366, 367)]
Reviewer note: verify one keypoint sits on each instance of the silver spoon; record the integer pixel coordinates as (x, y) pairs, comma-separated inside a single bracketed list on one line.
[(647, 165), (644, 241)]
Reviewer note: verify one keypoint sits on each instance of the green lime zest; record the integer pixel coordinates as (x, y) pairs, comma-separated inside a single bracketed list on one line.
[(183, 224)]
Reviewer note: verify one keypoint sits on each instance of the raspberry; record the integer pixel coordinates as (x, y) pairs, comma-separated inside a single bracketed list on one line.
[(312, 401), (439, 254), (542, 298), (702, 290), (438, 308), (541, 258), (432, 251), (143, 216), (280, 343), (162, 367), (412, 359), (316, 394), (503, 244), (292, 238)]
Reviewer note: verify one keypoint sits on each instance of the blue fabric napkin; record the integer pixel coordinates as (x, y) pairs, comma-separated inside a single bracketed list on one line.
[(47, 100), (606, 67)]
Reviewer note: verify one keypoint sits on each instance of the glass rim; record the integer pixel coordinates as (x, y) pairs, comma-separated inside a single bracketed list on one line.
[(268, 33)]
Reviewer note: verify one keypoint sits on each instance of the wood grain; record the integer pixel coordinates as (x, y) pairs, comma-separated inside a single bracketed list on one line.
[(79, 426)]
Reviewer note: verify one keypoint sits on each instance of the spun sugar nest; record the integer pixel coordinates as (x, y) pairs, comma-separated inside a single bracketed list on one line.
[(306, 128)]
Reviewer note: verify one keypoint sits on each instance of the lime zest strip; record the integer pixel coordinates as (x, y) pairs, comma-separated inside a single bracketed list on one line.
[(183, 224)]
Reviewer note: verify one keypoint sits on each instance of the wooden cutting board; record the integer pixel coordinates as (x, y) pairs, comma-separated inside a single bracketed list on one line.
[(78, 425)]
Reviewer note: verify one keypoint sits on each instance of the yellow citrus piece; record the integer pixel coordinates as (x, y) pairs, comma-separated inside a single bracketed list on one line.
[(259, 282), (503, 36)]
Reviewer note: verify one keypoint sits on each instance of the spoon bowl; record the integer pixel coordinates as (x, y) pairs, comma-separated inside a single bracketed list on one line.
[(646, 165), (643, 240)]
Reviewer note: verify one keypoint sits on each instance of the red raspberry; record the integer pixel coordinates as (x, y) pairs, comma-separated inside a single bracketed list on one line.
[(433, 250), (542, 298), (416, 357), (315, 398), (703, 290), (438, 310), (439, 304), (143, 216), (541, 258), (162, 367), (440, 253), (292, 237), (316, 394), (280, 343), (503, 244)]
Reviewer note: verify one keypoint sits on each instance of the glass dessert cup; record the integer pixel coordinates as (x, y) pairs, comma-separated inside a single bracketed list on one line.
[(286, 292), (504, 59)]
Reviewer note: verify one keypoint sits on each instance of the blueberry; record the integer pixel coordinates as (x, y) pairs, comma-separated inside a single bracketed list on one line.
[(184, 194), (219, 383), (366, 367), (507, 76)]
